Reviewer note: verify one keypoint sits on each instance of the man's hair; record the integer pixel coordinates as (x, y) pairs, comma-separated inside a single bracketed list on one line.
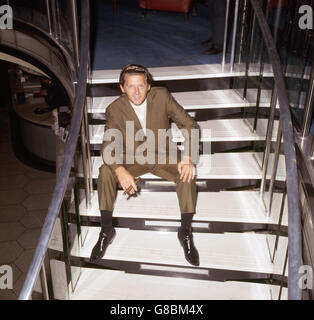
[(135, 69)]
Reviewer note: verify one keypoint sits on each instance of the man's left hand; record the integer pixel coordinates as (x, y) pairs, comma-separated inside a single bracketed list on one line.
[(186, 169)]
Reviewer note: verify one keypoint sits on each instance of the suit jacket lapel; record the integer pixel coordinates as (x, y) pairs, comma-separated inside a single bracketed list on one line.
[(130, 114), (149, 111)]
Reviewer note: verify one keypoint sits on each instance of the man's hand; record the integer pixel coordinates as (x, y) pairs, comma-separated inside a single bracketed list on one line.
[(126, 179), (186, 169)]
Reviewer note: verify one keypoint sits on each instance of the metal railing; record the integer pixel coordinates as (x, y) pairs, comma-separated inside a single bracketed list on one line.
[(37, 266), (253, 51), (256, 16)]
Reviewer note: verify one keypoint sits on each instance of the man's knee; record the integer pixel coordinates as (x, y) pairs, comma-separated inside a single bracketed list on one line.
[(106, 173), (188, 184)]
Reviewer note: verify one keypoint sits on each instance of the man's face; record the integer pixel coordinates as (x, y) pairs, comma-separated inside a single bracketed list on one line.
[(135, 87)]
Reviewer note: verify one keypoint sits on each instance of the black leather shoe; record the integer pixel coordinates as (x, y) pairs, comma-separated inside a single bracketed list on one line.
[(103, 242), (207, 42), (214, 49), (190, 252)]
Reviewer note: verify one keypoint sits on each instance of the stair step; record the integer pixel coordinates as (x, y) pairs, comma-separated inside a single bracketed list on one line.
[(196, 100), (223, 206), (169, 73), (203, 71), (97, 284), (211, 131), (235, 165), (244, 252)]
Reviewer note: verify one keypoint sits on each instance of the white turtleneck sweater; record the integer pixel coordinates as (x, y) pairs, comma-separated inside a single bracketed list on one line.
[(140, 111)]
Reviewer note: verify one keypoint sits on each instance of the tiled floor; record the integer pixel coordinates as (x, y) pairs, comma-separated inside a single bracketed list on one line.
[(24, 199)]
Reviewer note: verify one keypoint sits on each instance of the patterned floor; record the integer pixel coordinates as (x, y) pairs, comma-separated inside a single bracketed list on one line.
[(24, 199)]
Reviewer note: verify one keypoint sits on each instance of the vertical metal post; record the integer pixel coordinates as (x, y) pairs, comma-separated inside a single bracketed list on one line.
[(312, 151), (75, 33), (283, 274), (282, 208), (224, 50), (308, 108), (243, 15), (88, 153), (259, 92), (277, 20), (49, 17), (59, 20), (66, 244), (54, 19), (268, 141), (274, 169), (249, 55), (234, 35), (77, 212), (43, 281), (85, 164)]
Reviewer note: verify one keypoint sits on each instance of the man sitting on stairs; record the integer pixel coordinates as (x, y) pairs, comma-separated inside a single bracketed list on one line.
[(146, 111)]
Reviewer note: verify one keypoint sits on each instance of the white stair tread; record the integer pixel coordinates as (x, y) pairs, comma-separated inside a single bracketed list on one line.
[(237, 165), (170, 73), (211, 130), (223, 206), (202, 71), (96, 284), (198, 72), (209, 99), (246, 252)]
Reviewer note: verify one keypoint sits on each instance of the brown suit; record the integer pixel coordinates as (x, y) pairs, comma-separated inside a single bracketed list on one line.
[(161, 107)]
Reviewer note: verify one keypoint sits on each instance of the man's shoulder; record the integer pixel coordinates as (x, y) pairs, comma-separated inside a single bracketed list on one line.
[(116, 104), (154, 91)]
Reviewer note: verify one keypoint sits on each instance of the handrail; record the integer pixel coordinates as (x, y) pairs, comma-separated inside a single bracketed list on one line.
[(70, 148), (294, 216), (294, 212)]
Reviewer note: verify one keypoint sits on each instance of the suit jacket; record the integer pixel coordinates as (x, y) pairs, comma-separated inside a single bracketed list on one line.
[(161, 109)]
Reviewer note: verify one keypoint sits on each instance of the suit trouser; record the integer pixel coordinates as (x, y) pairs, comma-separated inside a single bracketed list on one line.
[(107, 184)]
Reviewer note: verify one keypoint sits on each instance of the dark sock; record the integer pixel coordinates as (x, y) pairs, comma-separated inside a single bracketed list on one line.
[(106, 221), (186, 221)]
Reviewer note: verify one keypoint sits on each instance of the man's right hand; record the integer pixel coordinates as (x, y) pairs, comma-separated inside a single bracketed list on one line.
[(126, 179)]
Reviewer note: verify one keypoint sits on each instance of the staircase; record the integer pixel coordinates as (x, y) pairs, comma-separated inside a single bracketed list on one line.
[(242, 249)]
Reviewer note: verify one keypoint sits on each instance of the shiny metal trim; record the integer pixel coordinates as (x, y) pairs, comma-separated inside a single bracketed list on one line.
[(60, 46), (60, 69)]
